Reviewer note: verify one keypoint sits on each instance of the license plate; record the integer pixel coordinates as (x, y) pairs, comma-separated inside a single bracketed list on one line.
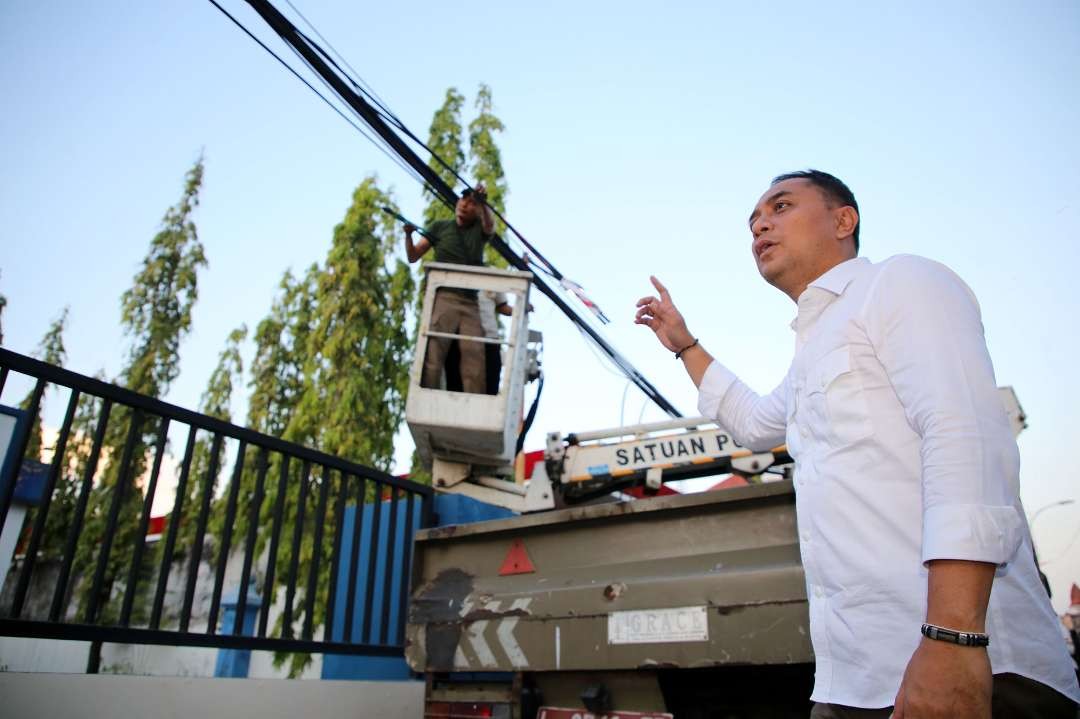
[(659, 626), (556, 713)]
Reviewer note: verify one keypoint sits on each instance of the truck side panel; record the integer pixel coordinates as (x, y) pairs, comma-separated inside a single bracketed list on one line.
[(691, 581)]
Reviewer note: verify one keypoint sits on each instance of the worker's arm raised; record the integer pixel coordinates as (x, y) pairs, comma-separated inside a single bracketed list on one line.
[(415, 250), (487, 219)]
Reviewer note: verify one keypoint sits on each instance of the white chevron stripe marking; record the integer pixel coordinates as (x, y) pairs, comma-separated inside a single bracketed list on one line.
[(475, 633), (505, 633), (460, 660)]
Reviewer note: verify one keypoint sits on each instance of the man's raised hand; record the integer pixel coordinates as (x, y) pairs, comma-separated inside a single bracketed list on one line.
[(662, 317)]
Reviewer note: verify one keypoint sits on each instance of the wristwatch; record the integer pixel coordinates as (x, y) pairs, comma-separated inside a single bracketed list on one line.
[(964, 639)]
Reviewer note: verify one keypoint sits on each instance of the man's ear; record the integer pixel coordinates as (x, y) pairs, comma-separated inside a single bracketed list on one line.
[(847, 218)]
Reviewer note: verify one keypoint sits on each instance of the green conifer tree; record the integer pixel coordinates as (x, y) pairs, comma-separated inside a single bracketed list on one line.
[(277, 382), (357, 366), (485, 161), (445, 139), (156, 315), (51, 350), (281, 339), (216, 401)]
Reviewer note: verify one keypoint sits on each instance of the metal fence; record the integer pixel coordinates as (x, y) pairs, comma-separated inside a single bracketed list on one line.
[(297, 505)]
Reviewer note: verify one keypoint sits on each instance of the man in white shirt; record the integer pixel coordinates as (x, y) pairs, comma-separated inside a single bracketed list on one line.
[(906, 473), (493, 304)]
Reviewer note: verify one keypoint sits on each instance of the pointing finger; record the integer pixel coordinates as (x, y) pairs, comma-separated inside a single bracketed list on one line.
[(660, 288)]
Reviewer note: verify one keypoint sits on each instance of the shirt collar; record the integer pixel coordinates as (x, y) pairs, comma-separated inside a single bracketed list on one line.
[(840, 276), (834, 281)]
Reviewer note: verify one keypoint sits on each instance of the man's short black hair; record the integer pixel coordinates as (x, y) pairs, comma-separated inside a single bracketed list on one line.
[(836, 192)]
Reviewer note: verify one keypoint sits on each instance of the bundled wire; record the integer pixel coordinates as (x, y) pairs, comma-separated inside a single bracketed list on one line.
[(374, 113)]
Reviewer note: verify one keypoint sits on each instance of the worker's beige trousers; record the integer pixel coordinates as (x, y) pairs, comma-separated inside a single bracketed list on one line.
[(455, 313)]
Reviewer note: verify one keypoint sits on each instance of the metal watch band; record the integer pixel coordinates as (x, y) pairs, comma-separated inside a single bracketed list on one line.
[(964, 639)]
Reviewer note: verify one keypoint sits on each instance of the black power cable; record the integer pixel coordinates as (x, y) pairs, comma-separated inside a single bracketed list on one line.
[(359, 82), (374, 141), (371, 116), (361, 86)]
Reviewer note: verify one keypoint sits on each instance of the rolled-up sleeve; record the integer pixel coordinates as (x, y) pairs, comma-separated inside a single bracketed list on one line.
[(926, 329), (756, 422)]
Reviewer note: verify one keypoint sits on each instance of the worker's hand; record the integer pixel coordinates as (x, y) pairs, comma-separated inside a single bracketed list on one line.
[(481, 191), (505, 308), (662, 317), (945, 681), (409, 228)]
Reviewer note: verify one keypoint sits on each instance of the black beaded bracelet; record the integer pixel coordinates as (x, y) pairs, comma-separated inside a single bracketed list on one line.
[(964, 639), (679, 354)]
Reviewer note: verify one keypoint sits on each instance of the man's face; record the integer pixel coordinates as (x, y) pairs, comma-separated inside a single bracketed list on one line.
[(796, 236), (466, 211)]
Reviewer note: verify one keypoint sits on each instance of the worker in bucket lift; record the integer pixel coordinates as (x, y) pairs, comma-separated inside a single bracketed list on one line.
[(459, 241), (906, 474)]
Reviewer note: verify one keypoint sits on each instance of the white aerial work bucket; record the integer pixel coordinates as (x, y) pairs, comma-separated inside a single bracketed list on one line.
[(469, 430)]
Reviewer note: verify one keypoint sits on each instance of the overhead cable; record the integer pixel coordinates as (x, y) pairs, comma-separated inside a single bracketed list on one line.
[(375, 141), (364, 88), (374, 119)]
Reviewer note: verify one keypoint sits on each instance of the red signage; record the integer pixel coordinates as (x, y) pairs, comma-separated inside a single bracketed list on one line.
[(517, 560)]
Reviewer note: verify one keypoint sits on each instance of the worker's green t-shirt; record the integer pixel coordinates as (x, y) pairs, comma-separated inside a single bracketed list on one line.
[(459, 245)]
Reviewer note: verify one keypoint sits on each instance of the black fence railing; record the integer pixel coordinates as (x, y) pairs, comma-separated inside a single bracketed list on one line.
[(326, 543)]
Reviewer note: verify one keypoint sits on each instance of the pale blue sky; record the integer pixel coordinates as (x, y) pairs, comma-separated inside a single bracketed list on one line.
[(638, 139)]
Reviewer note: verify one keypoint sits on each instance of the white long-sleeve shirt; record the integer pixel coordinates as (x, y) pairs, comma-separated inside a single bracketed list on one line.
[(903, 454)]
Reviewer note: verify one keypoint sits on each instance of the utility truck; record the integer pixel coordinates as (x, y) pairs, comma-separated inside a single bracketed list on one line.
[(589, 602)]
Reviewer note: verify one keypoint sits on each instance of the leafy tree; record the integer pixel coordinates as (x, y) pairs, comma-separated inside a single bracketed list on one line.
[(444, 138), (156, 315), (484, 155), (73, 468), (486, 163), (281, 344), (358, 352), (156, 310), (77, 455), (277, 382), (216, 402), (217, 399), (356, 373), (51, 350)]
